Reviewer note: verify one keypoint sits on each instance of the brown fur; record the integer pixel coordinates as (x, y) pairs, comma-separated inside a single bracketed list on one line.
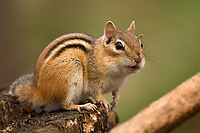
[(77, 66)]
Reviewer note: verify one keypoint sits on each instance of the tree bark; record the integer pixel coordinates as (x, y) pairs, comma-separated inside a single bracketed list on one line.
[(167, 112), (14, 119)]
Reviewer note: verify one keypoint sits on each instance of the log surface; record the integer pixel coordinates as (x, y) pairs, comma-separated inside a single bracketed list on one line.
[(14, 119)]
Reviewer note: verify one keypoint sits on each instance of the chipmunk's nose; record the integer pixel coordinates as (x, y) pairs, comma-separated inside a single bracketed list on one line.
[(137, 57)]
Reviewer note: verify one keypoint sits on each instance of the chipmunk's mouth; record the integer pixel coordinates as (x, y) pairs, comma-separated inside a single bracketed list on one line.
[(133, 68)]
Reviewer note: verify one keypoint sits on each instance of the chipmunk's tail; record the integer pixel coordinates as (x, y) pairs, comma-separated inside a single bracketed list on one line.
[(22, 88)]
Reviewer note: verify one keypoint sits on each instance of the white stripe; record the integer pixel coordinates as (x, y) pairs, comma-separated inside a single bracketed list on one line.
[(70, 42)]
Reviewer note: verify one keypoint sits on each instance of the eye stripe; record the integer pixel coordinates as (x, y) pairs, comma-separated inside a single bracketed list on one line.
[(141, 44)]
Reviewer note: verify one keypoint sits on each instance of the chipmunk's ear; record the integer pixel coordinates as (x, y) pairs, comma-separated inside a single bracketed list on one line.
[(132, 27), (110, 30), (141, 35)]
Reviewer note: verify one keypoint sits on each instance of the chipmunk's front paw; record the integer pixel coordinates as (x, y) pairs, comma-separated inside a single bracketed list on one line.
[(105, 104), (87, 106), (115, 99), (114, 104)]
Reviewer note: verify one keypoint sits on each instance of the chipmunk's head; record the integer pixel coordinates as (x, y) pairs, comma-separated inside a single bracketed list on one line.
[(123, 48)]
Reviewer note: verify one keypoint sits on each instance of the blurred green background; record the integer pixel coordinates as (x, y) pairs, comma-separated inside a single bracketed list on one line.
[(171, 42)]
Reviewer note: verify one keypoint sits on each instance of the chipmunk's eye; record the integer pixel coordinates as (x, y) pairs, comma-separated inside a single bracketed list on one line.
[(141, 45), (119, 46)]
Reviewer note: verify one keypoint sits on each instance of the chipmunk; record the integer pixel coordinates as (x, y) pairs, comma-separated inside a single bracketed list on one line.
[(76, 67)]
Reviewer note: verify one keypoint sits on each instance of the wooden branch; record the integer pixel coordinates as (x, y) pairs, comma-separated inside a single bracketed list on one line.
[(167, 112), (14, 119)]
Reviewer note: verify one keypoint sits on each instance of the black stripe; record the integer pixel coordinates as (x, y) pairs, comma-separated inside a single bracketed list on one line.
[(80, 46), (72, 38)]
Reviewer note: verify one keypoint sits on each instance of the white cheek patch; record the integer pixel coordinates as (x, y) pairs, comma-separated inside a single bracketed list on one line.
[(142, 63)]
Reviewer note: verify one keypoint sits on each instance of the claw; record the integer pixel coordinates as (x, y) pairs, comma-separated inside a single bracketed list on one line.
[(105, 104), (113, 93), (78, 108), (115, 99), (113, 105), (87, 106)]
